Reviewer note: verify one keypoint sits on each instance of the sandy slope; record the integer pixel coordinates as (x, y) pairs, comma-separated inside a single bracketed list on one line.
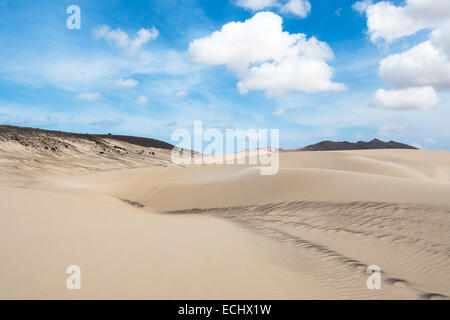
[(74, 155), (125, 252), (222, 231), (403, 176)]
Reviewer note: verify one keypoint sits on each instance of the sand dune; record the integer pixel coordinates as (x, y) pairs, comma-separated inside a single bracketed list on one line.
[(129, 253), (381, 176), (149, 229)]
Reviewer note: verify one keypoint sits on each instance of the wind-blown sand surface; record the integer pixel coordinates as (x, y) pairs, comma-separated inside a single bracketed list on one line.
[(154, 230)]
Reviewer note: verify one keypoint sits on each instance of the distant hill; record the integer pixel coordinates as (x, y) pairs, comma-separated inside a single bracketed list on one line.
[(139, 141), (29, 151), (360, 145), (24, 136)]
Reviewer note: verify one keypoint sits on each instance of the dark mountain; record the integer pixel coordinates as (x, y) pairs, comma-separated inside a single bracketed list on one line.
[(360, 145)]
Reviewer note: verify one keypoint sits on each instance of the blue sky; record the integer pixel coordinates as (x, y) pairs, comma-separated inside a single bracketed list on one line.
[(88, 81)]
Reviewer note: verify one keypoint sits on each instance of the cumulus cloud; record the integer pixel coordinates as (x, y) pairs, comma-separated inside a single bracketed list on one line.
[(142, 101), (422, 65), (421, 98), (121, 39), (126, 83), (361, 6), (440, 38), (389, 22), (267, 58), (299, 8), (427, 64), (89, 96)]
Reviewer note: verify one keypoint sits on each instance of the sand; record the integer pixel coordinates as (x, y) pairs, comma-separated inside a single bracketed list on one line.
[(147, 229)]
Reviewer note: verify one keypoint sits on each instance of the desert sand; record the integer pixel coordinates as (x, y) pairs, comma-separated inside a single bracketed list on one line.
[(141, 227)]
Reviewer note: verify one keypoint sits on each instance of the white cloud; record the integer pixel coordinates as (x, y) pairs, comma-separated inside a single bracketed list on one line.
[(89, 96), (257, 4), (142, 101), (180, 94), (421, 98), (282, 110), (83, 71), (121, 39), (389, 129), (299, 8), (427, 64), (361, 6), (422, 65), (267, 58), (389, 22), (430, 140), (440, 38), (126, 83)]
